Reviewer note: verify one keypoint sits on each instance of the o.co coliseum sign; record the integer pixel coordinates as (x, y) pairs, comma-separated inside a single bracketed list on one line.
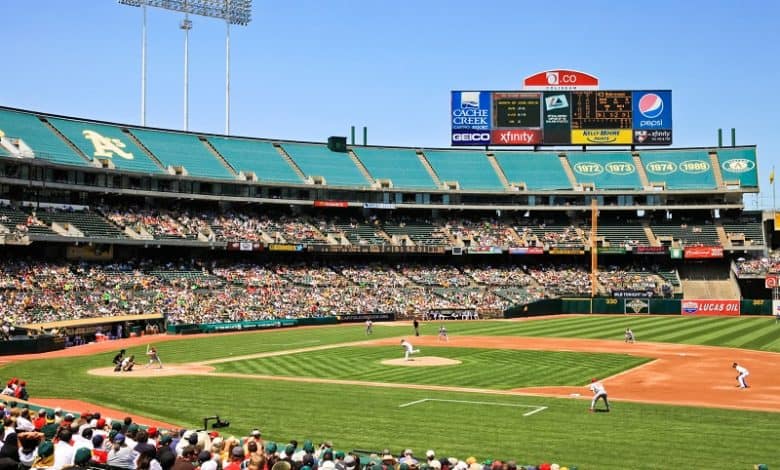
[(561, 79)]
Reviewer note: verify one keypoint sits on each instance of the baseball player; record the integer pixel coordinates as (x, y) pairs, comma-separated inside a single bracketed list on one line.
[(151, 353), (408, 350), (369, 327), (629, 336), (598, 392), (443, 333), (743, 373)]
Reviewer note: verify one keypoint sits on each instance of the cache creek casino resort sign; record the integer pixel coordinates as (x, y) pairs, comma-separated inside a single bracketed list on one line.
[(561, 107)]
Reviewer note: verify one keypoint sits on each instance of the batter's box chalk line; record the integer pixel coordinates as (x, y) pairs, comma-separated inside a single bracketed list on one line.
[(536, 409)]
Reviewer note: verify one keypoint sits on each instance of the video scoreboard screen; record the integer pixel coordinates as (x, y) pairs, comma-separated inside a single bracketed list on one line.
[(592, 117)]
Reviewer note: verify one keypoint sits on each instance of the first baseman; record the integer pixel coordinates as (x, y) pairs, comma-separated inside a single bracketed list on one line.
[(599, 392)]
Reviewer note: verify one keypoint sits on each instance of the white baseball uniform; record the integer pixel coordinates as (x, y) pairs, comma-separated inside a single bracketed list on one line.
[(599, 392), (408, 349), (742, 374)]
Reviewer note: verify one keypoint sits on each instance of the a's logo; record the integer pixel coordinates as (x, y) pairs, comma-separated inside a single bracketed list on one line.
[(555, 102), (105, 147), (651, 105), (661, 167), (589, 168), (738, 165), (694, 166), (619, 168)]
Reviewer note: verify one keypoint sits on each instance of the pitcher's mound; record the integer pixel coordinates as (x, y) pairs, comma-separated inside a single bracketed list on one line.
[(167, 370), (422, 361)]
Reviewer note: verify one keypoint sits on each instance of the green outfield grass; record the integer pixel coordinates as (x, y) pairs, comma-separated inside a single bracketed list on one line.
[(633, 436), (761, 333), (480, 368)]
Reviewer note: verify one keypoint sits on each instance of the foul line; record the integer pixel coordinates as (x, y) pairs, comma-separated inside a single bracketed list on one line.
[(470, 402)]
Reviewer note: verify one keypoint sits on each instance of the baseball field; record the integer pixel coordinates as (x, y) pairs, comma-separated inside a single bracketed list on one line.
[(497, 389)]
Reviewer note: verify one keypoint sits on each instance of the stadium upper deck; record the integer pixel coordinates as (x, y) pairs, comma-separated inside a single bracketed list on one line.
[(62, 143)]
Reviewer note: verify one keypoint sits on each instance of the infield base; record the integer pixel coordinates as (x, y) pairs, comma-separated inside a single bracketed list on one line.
[(421, 361)]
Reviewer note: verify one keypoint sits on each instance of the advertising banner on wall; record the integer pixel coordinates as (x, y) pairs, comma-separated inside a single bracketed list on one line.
[(730, 308), (702, 252)]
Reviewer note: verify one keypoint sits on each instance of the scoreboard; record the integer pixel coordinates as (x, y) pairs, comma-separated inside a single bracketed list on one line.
[(591, 117)]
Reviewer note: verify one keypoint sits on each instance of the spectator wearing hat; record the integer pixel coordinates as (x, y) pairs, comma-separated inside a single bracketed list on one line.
[(430, 459), (408, 458), (164, 448), (257, 436), (63, 449), (120, 454), (99, 452), (44, 456), (207, 461), (81, 459), (236, 458), (40, 419), (50, 428), (186, 460), (21, 391)]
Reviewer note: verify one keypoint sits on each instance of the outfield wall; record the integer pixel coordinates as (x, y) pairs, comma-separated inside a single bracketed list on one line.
[(643, 306)]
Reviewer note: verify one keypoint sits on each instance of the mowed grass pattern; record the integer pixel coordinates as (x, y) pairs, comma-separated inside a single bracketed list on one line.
[(633, 436), (760, 333), (479, 368)]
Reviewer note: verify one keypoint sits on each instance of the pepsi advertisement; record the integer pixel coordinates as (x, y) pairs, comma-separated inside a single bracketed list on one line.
[(652, 109)]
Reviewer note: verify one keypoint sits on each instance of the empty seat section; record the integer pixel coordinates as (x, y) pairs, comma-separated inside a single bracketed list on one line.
[(106, 142), (46, 144), (688, 234), (739, 164), (401, 166), (538, 170), (605, 170), (259, 157), (679, 169), (185, 150), (317, 160), (471, 169), (90, 224)]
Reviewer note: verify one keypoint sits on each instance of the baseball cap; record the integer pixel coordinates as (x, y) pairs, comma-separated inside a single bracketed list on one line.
[(238, 451), (256, 433), (119, 437), (83, 455), (430, 454)]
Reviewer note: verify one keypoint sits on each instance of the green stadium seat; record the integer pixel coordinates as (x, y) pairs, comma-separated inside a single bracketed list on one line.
[(538, 170), (679, 169), (317, 160), (739, 164), (46, 144), (471, 169), (106, 142), (256, 156), (185, 150), (401, 166)]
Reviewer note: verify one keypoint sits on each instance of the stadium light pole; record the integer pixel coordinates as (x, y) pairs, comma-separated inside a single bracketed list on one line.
[(234, 12)]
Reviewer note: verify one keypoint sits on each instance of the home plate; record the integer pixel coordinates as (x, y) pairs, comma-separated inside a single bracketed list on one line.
[(421, 361)]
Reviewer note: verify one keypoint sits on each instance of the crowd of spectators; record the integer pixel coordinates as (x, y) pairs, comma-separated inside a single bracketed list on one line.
[(760, 266), (53, 439), (34, 292), (615, 278)]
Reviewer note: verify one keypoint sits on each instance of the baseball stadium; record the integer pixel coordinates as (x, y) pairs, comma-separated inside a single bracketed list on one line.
[(559, 288)]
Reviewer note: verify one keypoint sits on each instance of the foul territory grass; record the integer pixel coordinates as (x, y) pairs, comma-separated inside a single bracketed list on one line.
[(481, 368)]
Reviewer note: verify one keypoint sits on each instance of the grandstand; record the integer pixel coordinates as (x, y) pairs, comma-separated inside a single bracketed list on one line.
[(463, 229)]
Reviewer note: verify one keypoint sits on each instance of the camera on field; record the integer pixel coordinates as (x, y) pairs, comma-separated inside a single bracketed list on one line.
[(217, 422)]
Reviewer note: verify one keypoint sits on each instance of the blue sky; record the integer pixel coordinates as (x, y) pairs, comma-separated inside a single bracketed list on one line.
[(309, 69)]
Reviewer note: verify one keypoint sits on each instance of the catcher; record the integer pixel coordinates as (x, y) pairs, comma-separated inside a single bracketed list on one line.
[(151, 353)]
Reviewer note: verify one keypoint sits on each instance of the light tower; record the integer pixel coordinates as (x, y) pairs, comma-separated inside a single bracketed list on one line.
[(238, 12)]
